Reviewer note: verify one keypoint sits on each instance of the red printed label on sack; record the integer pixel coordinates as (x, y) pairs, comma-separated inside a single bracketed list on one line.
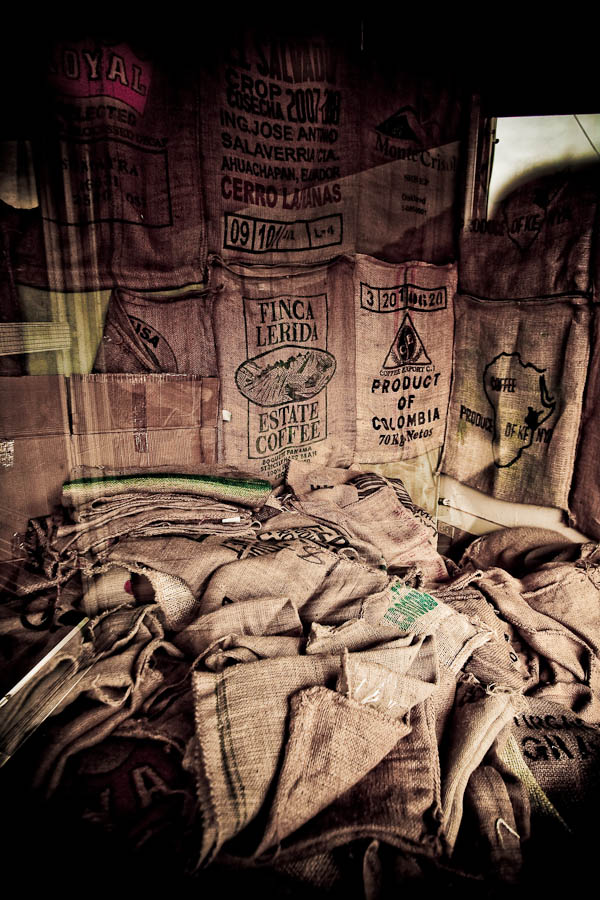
[(285, 376), (106, 155), (87, 70)]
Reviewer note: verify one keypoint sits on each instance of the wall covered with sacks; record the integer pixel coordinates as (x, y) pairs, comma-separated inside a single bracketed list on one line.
[(287, 217), (272, 366)]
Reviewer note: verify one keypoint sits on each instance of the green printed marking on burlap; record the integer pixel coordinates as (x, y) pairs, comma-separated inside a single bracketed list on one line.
[(408, 606)]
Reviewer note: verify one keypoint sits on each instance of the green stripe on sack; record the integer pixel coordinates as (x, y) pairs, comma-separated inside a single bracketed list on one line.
[(540, 802), (257, 489), (230, 765)]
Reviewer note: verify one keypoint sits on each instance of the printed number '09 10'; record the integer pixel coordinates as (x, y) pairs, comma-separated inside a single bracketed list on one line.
[(239, 232)]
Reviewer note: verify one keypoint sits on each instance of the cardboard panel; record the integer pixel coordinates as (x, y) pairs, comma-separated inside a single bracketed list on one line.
[(110, 403), (180, 447), (33, 406), (32, 472)]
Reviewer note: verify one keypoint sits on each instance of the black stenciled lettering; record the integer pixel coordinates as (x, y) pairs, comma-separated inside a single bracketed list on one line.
[(558, 746), (533, 748)]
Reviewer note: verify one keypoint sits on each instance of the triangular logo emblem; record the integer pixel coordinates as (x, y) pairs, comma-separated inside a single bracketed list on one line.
[(407, 347), (401, 125)]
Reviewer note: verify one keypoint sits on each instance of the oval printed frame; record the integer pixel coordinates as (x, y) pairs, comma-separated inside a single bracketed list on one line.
[(289, 374)]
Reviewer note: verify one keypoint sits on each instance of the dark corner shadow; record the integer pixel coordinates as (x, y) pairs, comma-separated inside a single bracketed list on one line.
[(549, 175)]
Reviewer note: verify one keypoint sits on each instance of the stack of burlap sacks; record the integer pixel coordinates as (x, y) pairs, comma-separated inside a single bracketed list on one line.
[(316, 702)]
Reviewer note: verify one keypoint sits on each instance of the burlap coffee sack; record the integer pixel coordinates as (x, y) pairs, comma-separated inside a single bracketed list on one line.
[(559, 663), (418, 478), (421, 613), (369, 482), (178, 557), (235, 770), (404, 324), (323, 585), (585, 490), (569, 593), (496, 662), (99, 512), (538, 243), (157, 333), (383, 520), (242, 648), (346, 486), (235, 761), (334, 741), (110, 690), (285, 353), (516, 397), (135, 789), (518, 550), (498, 840), (118, 165), (293, 524), (562, 752), (398, 801), (132, 517), (356, 634), (252, 617), (107, 591), (306, 480), (180, 571), (280, 143), (321, 760), (478, 718)]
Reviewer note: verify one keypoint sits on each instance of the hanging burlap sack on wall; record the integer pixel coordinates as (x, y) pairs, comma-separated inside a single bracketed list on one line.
[(585, 495), (519, 372), (404, 325), (410, 131), (538, 242), (157, 334), (310, 153), (278, 146), (285, 353), (118, 170)]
